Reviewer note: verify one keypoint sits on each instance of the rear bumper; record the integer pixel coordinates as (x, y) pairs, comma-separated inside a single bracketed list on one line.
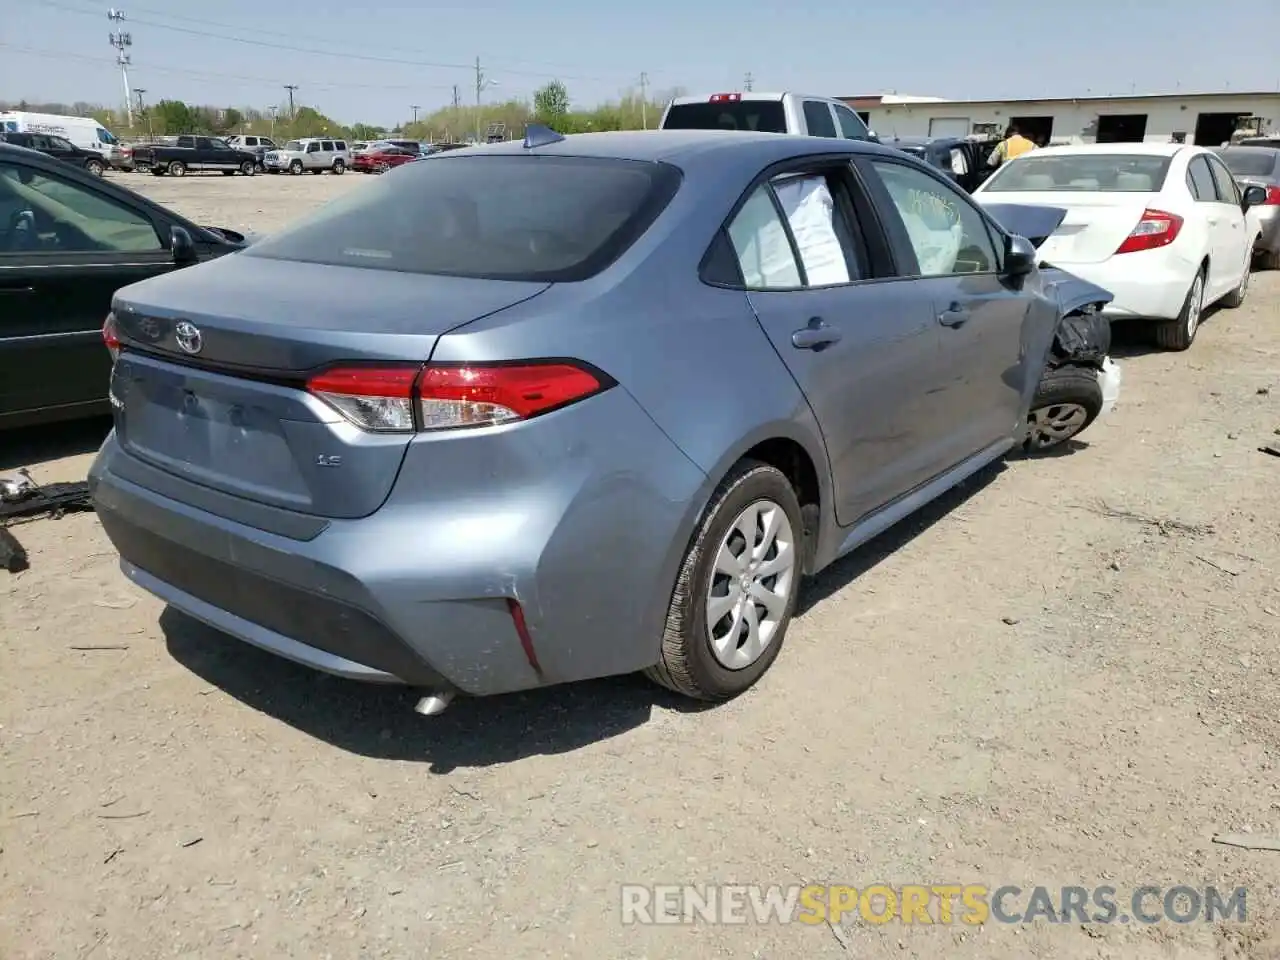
[(1269, 223), (1151, 284), (417, 593)]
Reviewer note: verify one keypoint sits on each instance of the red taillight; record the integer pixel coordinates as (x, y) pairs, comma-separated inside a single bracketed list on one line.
[(725, 97), (373, 398), (1273, 196), (110, 337), (447, 396), (1155, 229)]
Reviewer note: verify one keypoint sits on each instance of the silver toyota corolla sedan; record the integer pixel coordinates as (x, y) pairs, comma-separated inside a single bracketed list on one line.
[(536, 412)]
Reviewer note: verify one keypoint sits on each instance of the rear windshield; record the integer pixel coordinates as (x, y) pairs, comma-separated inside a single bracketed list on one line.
[(1083, 172), (1251, 162), (509, 217), (763, 116)]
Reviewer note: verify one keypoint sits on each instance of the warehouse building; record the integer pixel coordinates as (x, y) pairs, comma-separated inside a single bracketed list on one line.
[(1204, 118)]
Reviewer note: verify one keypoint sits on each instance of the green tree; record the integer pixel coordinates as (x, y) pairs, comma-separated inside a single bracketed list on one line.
[(171, 117), (551, 104)]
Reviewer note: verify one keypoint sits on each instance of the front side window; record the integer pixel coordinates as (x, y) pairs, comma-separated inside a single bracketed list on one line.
[(532, 218), (817, 118), (946, 233), (105, 136), (43, 214), (851, 125), (313, 148)]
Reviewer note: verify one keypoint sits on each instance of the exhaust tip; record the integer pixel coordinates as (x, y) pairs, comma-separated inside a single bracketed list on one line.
[(434, 704)]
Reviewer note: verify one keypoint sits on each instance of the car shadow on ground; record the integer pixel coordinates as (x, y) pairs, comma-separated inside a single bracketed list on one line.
[(1137, 338), (379, 722), (32, 446)]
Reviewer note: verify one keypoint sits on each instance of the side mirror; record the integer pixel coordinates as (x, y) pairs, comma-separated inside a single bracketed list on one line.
[(1019, 256), (1254, 196), (182, 247)]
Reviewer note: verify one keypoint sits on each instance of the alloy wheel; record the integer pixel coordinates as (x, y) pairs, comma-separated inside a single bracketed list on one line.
[(1054, 424)]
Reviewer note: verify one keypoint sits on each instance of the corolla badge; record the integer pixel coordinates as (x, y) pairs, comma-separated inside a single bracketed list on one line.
[(188, 336)]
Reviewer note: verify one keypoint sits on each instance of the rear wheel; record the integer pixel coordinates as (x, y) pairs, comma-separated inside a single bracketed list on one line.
[(339, 167), (737, 587), (177, 169), (1067, 400), (1179, 334), (95, 167)]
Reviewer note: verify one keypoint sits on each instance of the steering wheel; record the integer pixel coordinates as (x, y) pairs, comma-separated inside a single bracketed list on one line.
[(20, 235)]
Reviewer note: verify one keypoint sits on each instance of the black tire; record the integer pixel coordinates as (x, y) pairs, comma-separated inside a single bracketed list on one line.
[(339, 168), (295, 168), (248, 168), (177, 169), (1179, 334), (1062, 394), (95, 167), (228, 173), (688, 665), (157, 172)]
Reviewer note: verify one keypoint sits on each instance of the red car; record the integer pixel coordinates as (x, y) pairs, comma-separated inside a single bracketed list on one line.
[(382, 159)]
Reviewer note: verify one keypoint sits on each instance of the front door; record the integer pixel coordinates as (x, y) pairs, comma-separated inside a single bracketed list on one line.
[(64, 251), (863, 351), (992, 344)]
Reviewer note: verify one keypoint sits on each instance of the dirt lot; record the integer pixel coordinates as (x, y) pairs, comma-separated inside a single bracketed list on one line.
[(1062, 675)]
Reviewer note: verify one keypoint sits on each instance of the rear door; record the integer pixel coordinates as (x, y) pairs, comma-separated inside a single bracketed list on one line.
[(862, 348), (66, 249), (1231, 239), (945, 248)]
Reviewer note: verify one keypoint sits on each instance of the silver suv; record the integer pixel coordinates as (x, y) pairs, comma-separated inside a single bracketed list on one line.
[(312, 154)]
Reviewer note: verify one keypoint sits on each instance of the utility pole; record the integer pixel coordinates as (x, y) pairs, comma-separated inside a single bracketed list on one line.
[(644, 101), (457, 101), (749, 80), (273, 110), (415, 108), (482, 84), (142, 111), (291, 87), (122, 41)]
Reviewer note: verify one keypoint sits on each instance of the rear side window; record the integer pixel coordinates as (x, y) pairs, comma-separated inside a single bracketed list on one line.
[(817, 117), (532, 218), (340, 145), (326, 146), (762, 116)]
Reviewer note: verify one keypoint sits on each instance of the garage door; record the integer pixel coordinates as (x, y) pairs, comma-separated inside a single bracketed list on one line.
[(949, 127)]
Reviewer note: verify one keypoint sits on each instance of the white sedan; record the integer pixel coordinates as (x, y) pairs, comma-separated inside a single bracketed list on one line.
[(1164, 227)]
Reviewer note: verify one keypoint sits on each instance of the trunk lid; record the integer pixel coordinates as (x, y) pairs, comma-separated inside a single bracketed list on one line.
[(234, 415), (1093, 228)]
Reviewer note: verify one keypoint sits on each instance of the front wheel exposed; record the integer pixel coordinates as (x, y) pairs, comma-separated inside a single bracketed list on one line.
[(1067, 400), (177, 169), (248, 168), (295, 168), (737, 587)]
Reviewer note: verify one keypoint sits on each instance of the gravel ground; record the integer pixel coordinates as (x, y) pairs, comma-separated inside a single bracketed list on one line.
[(1063, 674)]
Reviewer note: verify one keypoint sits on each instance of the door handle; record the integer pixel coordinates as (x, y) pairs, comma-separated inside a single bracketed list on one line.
[(816, 336), (1213, 222), (953, 316)]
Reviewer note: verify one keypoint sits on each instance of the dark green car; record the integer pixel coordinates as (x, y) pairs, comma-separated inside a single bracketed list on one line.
[(68, 242)]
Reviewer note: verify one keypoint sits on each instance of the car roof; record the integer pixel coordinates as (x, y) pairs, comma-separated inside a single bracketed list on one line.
[(682, 148), (1134, 149)]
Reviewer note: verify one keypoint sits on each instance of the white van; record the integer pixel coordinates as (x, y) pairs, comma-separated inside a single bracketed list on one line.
[(84, 132)]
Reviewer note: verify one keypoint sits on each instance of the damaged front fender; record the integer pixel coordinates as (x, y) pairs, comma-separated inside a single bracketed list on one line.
[(1072, 293)]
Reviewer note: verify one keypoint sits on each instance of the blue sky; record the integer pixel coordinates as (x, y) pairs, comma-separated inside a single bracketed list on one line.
[(369, 60)]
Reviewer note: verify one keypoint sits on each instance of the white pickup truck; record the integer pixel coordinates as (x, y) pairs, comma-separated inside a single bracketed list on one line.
[(793, 113)]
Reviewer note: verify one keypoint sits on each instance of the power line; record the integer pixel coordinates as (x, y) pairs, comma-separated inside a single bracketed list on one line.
[(211, 75), (316, 52)]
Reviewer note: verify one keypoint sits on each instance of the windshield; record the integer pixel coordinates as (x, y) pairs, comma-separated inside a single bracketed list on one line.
[(1251, 162), (294, 145), (533, 218), (764, 116), (1081, 172)]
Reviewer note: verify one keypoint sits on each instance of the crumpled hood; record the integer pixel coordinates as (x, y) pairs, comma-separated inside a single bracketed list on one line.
[(1072, 292)]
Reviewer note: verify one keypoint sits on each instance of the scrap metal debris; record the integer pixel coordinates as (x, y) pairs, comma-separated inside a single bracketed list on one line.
[(1271, 448), (21, 498), (1247, 841)]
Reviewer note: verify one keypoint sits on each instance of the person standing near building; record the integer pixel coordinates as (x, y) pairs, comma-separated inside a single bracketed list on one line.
[(1013, 145)]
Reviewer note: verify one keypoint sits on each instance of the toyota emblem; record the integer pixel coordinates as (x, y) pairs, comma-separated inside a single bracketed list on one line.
[(188, 336)]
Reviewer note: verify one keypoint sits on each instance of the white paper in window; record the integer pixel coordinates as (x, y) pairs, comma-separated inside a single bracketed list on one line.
[(761, 244), (810, 208)]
